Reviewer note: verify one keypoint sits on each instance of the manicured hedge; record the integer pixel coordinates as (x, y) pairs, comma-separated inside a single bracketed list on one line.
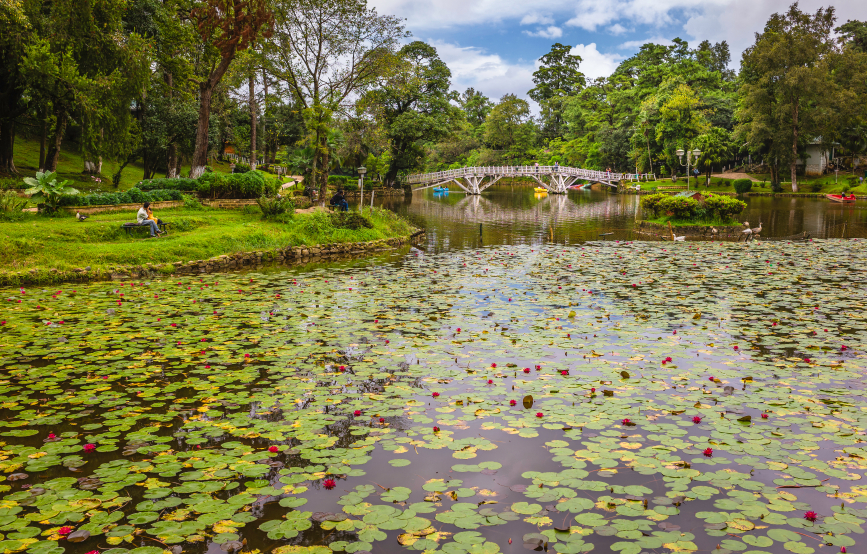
[(679, 207), (186, 185), (132, 196), (251, 184), (743, 185)]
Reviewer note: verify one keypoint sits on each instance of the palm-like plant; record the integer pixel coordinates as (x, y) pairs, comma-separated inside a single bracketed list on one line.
[(46, 191)]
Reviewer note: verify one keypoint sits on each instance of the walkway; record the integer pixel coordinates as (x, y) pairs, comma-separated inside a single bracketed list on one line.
[(555, 179)]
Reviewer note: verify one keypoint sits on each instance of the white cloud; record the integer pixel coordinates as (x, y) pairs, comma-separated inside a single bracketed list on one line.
[(617, 29), (636, 44), (549, 32), (536, 19), (593, 62), (475, 67)]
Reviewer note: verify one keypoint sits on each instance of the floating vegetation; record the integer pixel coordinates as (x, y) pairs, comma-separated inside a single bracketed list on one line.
[(622, 397)]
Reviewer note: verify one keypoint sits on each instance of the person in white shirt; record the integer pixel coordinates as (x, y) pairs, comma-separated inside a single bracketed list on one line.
[(142, 218)]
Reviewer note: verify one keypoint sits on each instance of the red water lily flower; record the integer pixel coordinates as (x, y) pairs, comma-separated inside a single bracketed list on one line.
[(63, 531), (329, 484), (52, 436), (539, 414), (490, 381), (668, 359), (512, 402), (494, 365), (342, 368), (272, 449), (736, 347), (538, 367), (710, 378), (811, 515), (564, 372), (436, 429), (708, 452), (526, 370), (382, 420), (807, 360), (626, 421), (593, 389), (459, 329), (89, 447), (435, 394), (357, 412), (696, 419), (843, 549), (764, 416)]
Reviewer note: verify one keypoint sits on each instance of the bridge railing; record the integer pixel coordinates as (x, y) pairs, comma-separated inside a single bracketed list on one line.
[(513, 171)]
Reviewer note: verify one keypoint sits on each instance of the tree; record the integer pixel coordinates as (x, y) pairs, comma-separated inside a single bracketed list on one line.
[(854, 34), (557, 78), (412, 105), (510, 128), (225, 27), (789, 96), (325, 51), (681, 119), (715, 57), (476, 106), (15, 32), (715, 146)]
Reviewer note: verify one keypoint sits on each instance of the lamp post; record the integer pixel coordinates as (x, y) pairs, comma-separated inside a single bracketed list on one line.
[(361, 171), (696, 153)]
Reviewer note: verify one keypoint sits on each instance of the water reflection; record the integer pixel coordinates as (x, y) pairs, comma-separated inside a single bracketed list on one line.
[(516, 215)]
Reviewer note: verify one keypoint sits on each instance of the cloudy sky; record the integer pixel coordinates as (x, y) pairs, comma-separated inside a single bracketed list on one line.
[(494, 45)]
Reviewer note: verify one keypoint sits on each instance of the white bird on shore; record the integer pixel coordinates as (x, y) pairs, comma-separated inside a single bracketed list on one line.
[(757, 230), (745, 234), (683, 238)]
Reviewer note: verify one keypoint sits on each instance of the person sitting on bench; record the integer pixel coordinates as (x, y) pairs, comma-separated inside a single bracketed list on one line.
[(142, 218), (152, 218), (339, 200)]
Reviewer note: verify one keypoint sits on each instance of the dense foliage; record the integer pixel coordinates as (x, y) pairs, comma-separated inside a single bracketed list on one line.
[(742, 185), (713, 207), (132, 196)]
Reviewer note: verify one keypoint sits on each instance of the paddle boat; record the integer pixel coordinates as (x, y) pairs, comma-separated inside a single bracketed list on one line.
[(540, 189), (842, 198), (441, 189)]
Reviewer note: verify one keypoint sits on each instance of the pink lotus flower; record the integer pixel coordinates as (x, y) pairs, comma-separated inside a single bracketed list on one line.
[(246, 355), (63, 531), (539, 414), (708, 452), (696, 419), (843, 549), (811, 515), (52, 436), (89, 447), (564, 372), (512, 402), (436, 429), (329, 484), (526, 370), (357, 412), (435, 394), (272, 449), (626, 421), (459, 329)]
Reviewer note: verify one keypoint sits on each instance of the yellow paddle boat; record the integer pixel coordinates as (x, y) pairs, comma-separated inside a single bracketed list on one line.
[(540, 189)]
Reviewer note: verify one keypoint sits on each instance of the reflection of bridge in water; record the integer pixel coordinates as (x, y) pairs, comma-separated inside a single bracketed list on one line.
[(555, 179)]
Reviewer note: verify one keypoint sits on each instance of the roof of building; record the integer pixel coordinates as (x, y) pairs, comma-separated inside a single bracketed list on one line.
[(688, 193)]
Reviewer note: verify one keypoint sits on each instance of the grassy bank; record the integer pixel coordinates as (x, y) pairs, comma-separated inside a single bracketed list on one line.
[(809, 185), (43, 247), (715, 222)]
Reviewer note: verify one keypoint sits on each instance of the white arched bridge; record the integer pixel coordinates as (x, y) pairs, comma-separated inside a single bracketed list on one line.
[(555, 179)]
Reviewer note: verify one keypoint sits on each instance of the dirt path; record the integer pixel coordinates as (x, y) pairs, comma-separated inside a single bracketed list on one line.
[(735, 176)]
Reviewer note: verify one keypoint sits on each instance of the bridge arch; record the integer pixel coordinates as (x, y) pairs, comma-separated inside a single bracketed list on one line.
[(555, 179)]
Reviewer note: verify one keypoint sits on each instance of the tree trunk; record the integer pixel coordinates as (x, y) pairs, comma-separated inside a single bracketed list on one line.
[(43, 137), (253, 143), (53, 154), (7, 147), (172, 161), (206, 91), (794, 164)]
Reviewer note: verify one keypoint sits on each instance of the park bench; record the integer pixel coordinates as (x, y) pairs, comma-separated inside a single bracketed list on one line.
[(128, 227)]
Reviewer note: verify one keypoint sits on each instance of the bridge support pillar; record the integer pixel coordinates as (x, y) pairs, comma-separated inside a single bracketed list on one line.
[(473, 182), (560, 182)]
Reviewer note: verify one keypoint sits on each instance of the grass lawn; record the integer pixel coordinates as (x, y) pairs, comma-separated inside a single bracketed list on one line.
[(62, 243), (71, 165), (716, 222)]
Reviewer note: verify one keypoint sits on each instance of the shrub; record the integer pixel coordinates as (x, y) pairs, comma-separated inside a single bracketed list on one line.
[(743, 185), (132, 196), (185, 185), (11, 205), (251, 184), (192, 203), (815, 187), (651, 202), (723, 207), (350, 220), (275, 208), (680, 207), (353, 187), (11, 183), (240, 168)]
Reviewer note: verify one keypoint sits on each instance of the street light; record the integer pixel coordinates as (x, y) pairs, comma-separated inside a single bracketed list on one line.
[(689, 155), (361, 171)]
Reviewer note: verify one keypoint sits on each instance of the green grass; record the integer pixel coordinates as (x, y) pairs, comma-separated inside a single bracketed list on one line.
[(664, 220), (70, 166), (61, 243), (806, 185)]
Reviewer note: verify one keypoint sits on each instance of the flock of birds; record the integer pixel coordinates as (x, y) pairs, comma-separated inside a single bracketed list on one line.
[(747, 234)]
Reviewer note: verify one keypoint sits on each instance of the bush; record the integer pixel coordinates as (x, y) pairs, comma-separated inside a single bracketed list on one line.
[(251, 184), (680, 207), (350, 220), (275, 208), (132, 196), (351, 187), (743, 185), (11, 183), (185, 185), (651, 202), (240, 168), (192, 203), (11, 205), (723, 207)]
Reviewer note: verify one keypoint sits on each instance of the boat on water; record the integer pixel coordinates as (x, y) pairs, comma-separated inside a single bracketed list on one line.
[(540, 189), (843, 199), (441, 189)]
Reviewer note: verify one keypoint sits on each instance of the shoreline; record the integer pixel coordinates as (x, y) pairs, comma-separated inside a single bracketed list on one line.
[(222, 262)]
